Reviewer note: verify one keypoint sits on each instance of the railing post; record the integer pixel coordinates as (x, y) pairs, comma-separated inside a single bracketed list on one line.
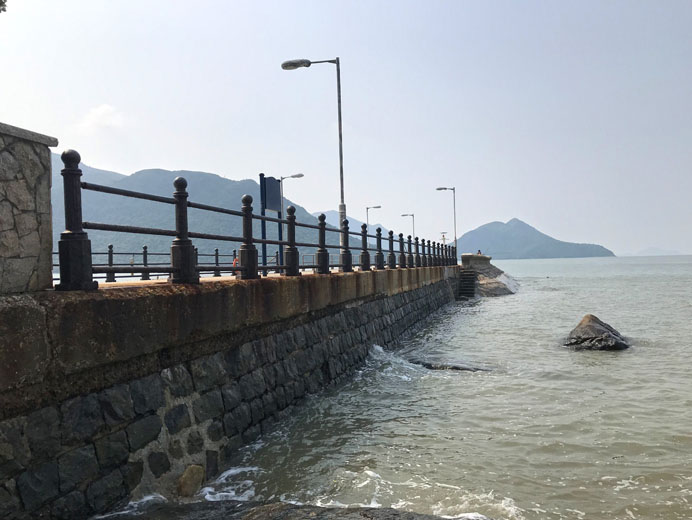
[(409, 257), (418, 260), (423, 256), (248, 251), (345, 258), (145, 262), (402, 255), (196, 257), (74, 247), (364, 254), (182, 251), (379, 255), (434, 254), (217, 272), (291, 254), (391, 259), (110, 276), (322, 252)]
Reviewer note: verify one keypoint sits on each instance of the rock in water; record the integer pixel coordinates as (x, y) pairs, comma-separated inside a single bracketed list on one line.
[(594, 334), (434, 365)]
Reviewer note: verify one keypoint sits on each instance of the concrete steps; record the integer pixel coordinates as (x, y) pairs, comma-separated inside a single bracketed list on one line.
[(466, 286)]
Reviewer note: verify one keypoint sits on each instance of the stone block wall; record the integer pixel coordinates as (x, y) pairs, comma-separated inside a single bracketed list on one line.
[(25, 211), (91, 452)]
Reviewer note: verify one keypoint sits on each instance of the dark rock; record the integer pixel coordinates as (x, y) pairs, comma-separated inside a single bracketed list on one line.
[(436, 365), (257, 410), (177, 418), (116, 404), (212, 464), (252, 385), (231, 396), (43, 433), (178, 381), (208, 406), (81, 419), (594, 334), (215, 431), (144, 431), (69, 507), (112, 450), (158, 463), (208, 372), (175, 449), (251, 434), (195, 442), (240, 360), (105, 492), (14, 450), (77, 466), (38, 485), (229, 449), (147, 394), (132, 474), (10, 508)]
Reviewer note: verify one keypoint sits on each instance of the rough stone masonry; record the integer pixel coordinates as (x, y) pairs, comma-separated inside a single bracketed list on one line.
[(25, 213)]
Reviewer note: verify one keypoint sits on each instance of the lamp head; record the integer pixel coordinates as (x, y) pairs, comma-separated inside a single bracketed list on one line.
[(295, 64), (441, 189), (297, 176)]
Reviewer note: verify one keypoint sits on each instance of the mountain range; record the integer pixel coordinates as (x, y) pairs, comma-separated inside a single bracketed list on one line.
[(514, 239), (517, 239)]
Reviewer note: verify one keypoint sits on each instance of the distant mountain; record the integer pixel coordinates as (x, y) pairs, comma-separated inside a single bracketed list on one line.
[(353, 223), (517, 239), (206, 188)]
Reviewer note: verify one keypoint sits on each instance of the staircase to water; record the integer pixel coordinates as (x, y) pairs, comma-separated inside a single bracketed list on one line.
[(466, 284)]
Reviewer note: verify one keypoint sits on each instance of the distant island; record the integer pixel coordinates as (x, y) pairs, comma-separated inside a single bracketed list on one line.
[(517, 239)]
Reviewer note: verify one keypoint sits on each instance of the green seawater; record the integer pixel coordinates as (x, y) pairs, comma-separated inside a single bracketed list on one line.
[(546, 433)]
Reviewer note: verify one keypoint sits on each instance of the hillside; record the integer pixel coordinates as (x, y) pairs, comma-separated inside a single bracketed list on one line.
[(517, 239), (203, 187)]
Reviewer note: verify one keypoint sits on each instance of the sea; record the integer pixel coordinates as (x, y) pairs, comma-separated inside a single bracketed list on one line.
[(544, 432)]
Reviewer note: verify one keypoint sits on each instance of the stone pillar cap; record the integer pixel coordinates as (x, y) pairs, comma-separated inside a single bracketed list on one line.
[(27, 135)]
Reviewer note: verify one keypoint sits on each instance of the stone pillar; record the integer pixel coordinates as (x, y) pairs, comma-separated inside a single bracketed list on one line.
[(26, 240)]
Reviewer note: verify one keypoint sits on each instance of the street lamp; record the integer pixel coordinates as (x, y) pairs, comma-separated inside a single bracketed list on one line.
[(367, 217), (454, 199), (296, 64), (413, 221)]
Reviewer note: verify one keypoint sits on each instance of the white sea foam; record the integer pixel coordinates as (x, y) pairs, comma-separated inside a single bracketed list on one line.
[(509, 282), (136, 507)]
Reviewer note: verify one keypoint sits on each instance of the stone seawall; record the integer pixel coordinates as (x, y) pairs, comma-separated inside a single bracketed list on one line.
[(112, 413)]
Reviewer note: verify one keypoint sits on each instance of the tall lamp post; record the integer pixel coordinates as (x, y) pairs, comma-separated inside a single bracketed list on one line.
[(296, 64), (454, 199), (413, 222), (367, 216)]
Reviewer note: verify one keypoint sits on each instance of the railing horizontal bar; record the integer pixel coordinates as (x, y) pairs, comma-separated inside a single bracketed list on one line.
[(310, 226), (227, 238), (128, 229), (215, 209), (126, 193), (269, 219), (270, 242), (212, 267), (134, 268)]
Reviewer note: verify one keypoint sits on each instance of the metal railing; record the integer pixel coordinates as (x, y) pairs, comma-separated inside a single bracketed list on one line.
[(77, 269)]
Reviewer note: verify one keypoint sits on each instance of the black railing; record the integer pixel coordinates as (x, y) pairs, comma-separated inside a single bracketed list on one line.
[(77, 268)]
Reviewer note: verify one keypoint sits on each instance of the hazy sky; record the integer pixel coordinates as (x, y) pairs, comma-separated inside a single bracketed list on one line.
[(573, 116)]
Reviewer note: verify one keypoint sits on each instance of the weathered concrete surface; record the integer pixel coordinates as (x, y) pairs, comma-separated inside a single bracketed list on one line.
[(490, 280), (25, 210), (81, 341), (276, 511)]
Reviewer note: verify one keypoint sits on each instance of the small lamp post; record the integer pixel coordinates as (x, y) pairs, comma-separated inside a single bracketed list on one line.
[(367, 216), (413, 221), (454, 200)]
